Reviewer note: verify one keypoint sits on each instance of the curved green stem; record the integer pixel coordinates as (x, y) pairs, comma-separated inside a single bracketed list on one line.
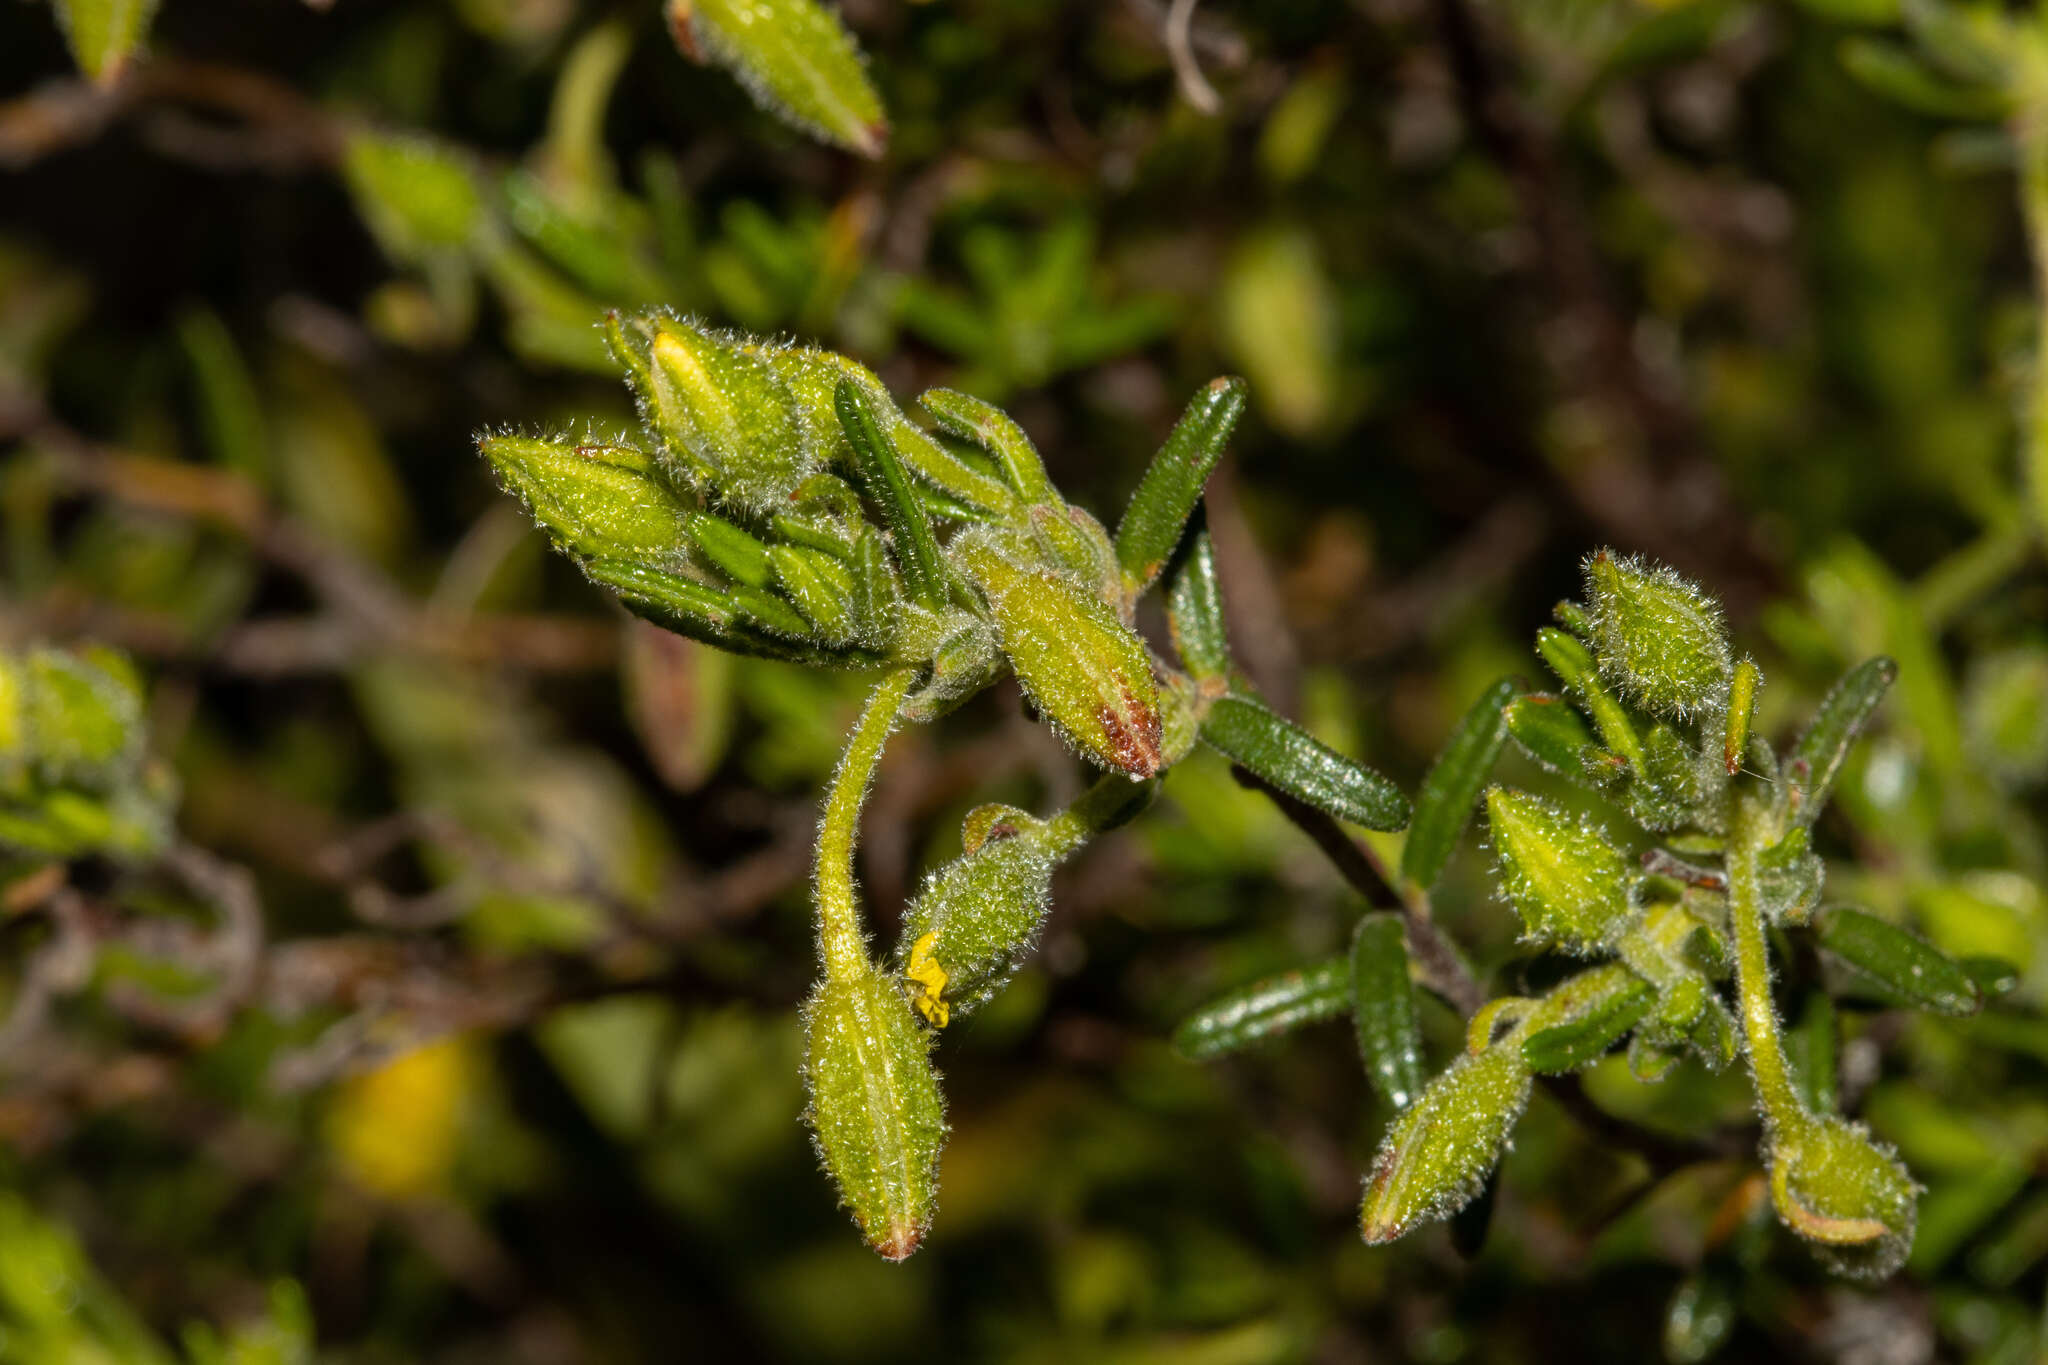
[(840, 941), (1748, 834)]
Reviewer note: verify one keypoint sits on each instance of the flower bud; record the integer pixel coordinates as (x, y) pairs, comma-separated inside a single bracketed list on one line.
[(875, 1107), (1833, 1185), (1565, 879), (596, 501), (1438, 1151), (80, 715), (727, 420), (1085, 670), (1657, 635)]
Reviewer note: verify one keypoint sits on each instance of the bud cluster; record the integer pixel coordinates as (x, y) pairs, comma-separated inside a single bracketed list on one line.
[(776, 501)]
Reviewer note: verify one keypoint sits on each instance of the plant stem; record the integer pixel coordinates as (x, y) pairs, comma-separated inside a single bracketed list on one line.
[(840, 940), (1748, 833)]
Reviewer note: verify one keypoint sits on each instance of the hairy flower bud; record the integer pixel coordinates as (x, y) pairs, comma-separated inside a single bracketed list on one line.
[(1833, 1185), (875, 1107), (727, 421), (1438, 1151), (1563, 876), (596, 501), (1084, 669), (1657, 635)]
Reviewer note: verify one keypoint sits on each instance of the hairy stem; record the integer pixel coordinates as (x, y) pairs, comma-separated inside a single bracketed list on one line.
[(1749, 833), (840, 941)]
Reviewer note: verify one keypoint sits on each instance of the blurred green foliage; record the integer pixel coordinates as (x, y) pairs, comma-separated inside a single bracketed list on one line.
[(506, 1066)]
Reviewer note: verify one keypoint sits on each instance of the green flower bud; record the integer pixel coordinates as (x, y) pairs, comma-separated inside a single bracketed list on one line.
[(795, 58), (1670, 783), (1657, 635), (596, 501), (1577, 669), (1833, 1185), (1564, 877), (978, 917), (727, 420), (875, 1107), (1438, 1151), (967, 660), (1085, 670)]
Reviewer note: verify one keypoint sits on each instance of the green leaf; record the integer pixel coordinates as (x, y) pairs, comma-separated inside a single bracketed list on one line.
[(1564, 877), (230, 410), (1172, 484), (1574, 664), (988, 426), (883, 476), (1550, 730), (1905, 968), (1383, 1009), (1813, 1045), (1194, 612), (875, 1107), (104, 34), (81, 715), (795, 58), (1281, 752), (950, 486), (1450, 793), (1894, 72), (721, 617), (1585, 1017), (1658, 636), (1438, 1151), (1083, 668), (419, 197), (1265, 1009), (1823, 748), (822, 588), (1741, 707)]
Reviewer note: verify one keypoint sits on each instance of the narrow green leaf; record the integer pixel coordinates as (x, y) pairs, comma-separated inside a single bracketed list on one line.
[(795, 58), (1450, 794), (1265, 1009), (1296, 762), (1575, 666), (1383, 1009), (1173, 482), (714, 617), (1550, 730), (419, 197), (1904, 967), (1814, 1044), (1585, 1018), (875, 1107), (1194, 612), (882, 473), (1741, 705), (1894, 72), (104, 34), (738, 555), (988, 426), (1823, 748), (1438, 1151), (230, 410)]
